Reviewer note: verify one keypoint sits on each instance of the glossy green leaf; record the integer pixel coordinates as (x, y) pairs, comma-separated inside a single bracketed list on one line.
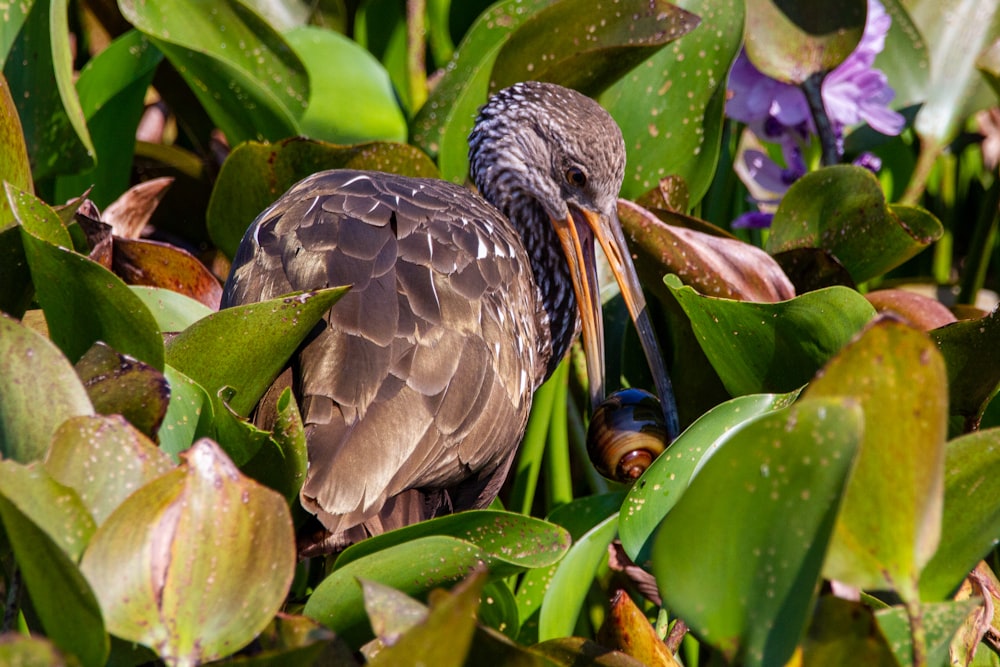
[(170, 565), (414, 567), (54, 127), (13, 21), (740, 555), (244, 74), (772, 347), (588, 47), (38, 391), (716, 265), (956, 32), (83, 302), (255, 175), (444, 637), (905, 59), (790, 41), (941, 620), (48, 527), (670, 107), (970, 522), (498, 609), (578, 517), (112, 89), (214, 350), (118, 384), (890, 522), (842, 210), (442, 125), (15, 168), (571, 582), (971, 350), (351, 102), (190, 414), (655, 493), (514, 540), (172, 310), (104, 459), (282, 459)]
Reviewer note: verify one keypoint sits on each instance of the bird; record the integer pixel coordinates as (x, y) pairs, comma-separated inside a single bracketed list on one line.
[(416, 386)]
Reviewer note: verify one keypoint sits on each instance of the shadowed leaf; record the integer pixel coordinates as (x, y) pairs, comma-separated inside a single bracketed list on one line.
[(170, 565), (763, 508), (104, 459), (128, 214), (118, 384), (38, 391), (843, 632), (155, 264), (282, 460), (15, 297), (190, 414), (971, 350)]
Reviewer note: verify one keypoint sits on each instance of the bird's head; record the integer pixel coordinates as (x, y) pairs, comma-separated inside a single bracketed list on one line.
[(541, 146)]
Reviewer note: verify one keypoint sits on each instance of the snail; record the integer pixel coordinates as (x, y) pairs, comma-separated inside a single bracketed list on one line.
[(625, 434)]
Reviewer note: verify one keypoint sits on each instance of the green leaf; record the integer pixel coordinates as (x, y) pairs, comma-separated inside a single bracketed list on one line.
[(172, 310), (245, 75), (970, 522), (15, 168), (294, 641), (13, 21), (116, 460), (351, 102), (890, 522), (25, 651), (655, 493), (118, 384), (442, 125), (941, 621), (772, 347), (112, 89), (844, 632), (739, 557), (39, 70), (254, 175), (38, 391), (214, 351), (171, 569), (190, 414), (790, 41), (588, 47), (905, 59), (571, 582), (842, 210), (670, 107), (48, 527), (282, 459), (971, 350)]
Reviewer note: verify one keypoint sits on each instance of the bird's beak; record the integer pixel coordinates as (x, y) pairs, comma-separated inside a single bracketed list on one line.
[(577, 233)]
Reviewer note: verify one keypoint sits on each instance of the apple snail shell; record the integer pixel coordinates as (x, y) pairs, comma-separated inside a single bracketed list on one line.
[(626, 434)]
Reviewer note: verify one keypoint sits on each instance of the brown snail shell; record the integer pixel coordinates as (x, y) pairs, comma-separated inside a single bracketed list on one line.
[(626, 434)]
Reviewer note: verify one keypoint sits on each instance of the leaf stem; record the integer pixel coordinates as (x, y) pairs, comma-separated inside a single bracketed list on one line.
[(558, 476), (918, 633), (984, 237), (416, 56), (813, 89)]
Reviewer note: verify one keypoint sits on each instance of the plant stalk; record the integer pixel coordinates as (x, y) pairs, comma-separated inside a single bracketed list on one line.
[(813, 89), (984, 237), (416, 55)]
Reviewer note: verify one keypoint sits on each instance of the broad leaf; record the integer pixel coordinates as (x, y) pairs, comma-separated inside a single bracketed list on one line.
[(970, 522), (670, 107), (791, 41), (214, 350), (890, 522), (255, 175), (772, 347), (842, 210), (844, 632), (627, 629), (144, 262), (170, 565), (190, 414), (172, 310), (739, 557), (655, 493), (941, 620), (104, 459), (15, 168), (971, 350), (282, 460), (245, 75), (38, 391)]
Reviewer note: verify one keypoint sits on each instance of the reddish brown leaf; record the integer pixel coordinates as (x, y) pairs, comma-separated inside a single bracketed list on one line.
[(921, 311), (143, 262), (128, 214), (627, 629)]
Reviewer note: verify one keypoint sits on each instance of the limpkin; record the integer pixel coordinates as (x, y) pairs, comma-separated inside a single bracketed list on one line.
[(415, 389)]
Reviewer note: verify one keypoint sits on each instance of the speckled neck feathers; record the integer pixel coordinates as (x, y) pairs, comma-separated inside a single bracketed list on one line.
[(523, 142)]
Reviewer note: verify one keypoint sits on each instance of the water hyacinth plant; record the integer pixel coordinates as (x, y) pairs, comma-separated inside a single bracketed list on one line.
[(811, 199)]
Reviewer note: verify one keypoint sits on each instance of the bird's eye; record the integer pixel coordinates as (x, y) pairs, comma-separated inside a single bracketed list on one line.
[(575, 176)]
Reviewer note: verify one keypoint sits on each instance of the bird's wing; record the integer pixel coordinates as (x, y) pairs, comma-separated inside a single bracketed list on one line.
[(423, 372)]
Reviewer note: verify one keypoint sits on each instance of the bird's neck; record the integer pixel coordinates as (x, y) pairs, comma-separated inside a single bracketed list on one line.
[(557, 316)]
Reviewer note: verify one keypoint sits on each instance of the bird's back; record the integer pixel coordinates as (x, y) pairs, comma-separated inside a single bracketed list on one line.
[(416, 387)]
